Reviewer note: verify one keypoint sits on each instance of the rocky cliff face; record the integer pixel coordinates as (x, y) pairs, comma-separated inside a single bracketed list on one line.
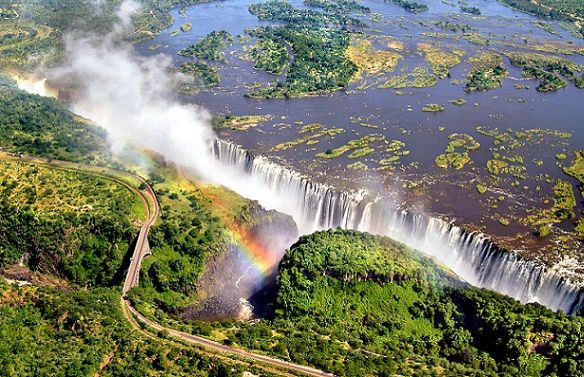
[(240, 282)]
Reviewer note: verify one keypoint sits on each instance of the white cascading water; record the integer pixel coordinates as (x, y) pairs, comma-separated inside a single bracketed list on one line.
[(36, 86), (315, 206)]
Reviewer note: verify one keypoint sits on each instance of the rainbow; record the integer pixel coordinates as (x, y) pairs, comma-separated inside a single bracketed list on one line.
[(263, 260)]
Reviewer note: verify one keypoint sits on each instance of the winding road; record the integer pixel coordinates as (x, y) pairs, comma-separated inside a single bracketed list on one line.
[(141, 249)]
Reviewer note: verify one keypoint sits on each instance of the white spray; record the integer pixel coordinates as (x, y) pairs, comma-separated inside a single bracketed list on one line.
[(132, 97)]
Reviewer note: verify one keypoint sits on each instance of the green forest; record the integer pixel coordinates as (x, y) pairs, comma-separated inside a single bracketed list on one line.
[(44, 127), (346, 302), (201, 75), (410, 6), (66, 223), (548, 69), (319, 64), (269, 55), (278, 10), (185, 236), (355, 304), (211, 48), (65, 236), (569, 10), (407, 302), (486, 74), (59, 331), (333, 6)]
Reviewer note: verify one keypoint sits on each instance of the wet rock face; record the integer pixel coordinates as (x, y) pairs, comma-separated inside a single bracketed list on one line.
[(240, 282)]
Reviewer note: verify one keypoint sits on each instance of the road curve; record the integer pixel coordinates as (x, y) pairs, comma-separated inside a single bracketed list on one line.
[(221, 348), (152, 208), (139, 250), (131, 281)]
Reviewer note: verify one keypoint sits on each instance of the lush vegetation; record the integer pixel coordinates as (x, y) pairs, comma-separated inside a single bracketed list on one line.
[(562, 209), (22, 40), (186, 234), (576, 170), (410, 6), (99, 17), (548, 69), (46, 331), (212, 47), (277, 10), (319, 61), (312, 134), (354, 304), (359, 147), (453, 26), (441, 61), (457, 151), (370, 60), (486, 73), (239, 122), (40, 25), (564, 202), (202, 75), (333, 6), (395, 150), (349, 303), (53, 219), (44, 127), (59, 225), (269, 55), (65, 222), (419, 77), (56, 331), (568, 10), (471, 10), (316, 61)]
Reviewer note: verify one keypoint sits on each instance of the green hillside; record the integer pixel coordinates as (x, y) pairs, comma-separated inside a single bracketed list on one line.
[(65, 235), (45, 127), (359, 305), (56, 331), (65, 222)]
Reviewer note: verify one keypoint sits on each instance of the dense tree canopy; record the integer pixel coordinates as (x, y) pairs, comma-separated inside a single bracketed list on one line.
[(45, 127), (56, 331), (354, 304)]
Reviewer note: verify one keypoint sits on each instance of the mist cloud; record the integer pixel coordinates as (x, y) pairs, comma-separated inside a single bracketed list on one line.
[(133, 97), (127, 9)]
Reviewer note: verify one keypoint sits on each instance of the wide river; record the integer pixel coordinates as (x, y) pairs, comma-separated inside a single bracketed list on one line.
[(363, 109)]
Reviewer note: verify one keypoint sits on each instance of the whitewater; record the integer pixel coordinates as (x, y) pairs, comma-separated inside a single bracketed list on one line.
[(471, 255)]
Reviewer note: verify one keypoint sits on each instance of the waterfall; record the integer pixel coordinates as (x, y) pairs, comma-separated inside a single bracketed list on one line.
[(36, 85), (315, 206)]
